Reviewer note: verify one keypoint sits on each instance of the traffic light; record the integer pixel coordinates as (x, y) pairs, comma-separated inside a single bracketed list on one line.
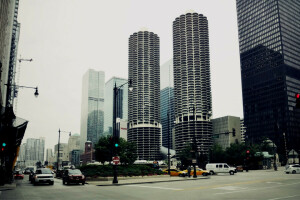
[(116, 144), (297, 100), (233, 132), (248, 154)]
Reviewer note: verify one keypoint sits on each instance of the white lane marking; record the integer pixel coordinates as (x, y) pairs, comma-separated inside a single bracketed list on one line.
[(284, 197), (262, 188), (230, 188), (274, 182), (144, 186)]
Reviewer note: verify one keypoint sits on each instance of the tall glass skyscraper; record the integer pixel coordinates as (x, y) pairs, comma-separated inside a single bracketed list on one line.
[(167, 115), (92, 107), (269, 37), (192, 92), (144, 101), (122, 100)]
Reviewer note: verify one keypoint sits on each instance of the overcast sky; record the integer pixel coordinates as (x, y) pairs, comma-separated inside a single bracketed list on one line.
[(67, 37)]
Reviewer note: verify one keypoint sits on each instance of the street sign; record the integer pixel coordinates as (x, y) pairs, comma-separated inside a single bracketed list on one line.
[(116, 160), (194, 161)]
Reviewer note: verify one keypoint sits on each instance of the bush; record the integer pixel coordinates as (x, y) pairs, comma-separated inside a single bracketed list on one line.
[(128, 170)]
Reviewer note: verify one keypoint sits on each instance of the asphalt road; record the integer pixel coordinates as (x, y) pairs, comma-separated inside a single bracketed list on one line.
[(265, 185)]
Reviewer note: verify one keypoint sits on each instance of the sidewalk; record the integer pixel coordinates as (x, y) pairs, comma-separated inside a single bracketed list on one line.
[(11, 186), (142, 180)]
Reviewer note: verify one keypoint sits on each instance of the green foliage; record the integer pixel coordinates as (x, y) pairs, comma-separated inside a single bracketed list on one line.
[(186, 155), (103, 149), (123, 170), (217, 154), (126, 150)]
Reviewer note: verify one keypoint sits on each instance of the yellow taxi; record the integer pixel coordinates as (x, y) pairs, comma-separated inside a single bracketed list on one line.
[(175, 172), (199, 172)]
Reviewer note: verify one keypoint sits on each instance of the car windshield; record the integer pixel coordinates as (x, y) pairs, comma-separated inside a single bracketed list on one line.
[(75, 172), (43, 171)]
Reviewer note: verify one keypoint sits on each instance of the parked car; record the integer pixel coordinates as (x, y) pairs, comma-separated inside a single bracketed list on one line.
[(175, 172), (214, 168), (18, 175), (73, 176), (293, 169), (43, 175), (199, 172)]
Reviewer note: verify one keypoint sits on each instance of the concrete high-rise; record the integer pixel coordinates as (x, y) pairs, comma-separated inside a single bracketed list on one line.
[(92, 107), (144, 126), (269, 39), (192, 89), (122, 100)]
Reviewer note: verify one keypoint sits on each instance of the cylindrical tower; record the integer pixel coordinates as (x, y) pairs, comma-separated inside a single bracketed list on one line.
[(192, 89), (144, 126)]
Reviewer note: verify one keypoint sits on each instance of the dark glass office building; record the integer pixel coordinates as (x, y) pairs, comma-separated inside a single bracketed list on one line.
[(167, 115), (269, 37)]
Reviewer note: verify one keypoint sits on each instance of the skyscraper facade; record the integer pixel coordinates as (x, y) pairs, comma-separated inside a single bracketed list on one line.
[(122, 100), (167, 115), (144, 126), (192, 90), (92, 107), (269, 38)]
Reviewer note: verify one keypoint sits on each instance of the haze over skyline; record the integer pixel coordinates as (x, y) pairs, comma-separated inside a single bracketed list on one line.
[(67, 37)]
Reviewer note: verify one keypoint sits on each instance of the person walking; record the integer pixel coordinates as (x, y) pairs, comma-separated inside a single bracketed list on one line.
[(189, 171)]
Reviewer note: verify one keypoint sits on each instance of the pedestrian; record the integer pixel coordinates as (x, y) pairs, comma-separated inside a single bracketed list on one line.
[(189, 171)]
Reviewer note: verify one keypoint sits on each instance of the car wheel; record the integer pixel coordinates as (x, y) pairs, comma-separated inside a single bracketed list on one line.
[(231, 172), (204, 174), (287, 172), (293, 172), (63, 182), (68, 182), (83, 183), (51, 183), (212, 172)]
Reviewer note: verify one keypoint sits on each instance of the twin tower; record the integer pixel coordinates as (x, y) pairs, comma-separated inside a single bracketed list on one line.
[(192, 89)]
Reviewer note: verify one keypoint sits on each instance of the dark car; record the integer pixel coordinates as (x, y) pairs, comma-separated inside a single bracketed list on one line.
[(73, 176)]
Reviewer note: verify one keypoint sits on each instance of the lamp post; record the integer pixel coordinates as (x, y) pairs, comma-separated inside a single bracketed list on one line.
[(168, 143), (194, 140), (115, 135), (57, 163)]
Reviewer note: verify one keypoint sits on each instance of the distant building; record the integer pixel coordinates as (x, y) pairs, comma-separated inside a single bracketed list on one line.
[(144, 125), (63, 153), (122, 99), (226, 131), (167, 115), (167, 74), (89, 154), (32, 151), (75, 157), (122, 129), (243, 131), (49, 155), (92, 107), (192, 85)]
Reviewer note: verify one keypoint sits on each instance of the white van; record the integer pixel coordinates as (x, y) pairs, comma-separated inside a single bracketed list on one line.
[(214, 168)]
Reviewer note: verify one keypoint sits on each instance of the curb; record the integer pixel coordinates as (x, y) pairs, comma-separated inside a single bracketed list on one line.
[(154, 181), (8, 187)]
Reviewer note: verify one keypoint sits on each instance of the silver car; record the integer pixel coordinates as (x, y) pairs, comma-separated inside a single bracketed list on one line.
[(293, 169), (43, 175)]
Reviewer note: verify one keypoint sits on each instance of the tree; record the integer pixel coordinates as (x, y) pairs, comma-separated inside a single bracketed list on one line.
[(217, 154), (103, 149), (186, 155), (127, 152)]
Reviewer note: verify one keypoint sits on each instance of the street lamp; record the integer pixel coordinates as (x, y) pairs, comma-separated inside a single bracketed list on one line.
[(57, 163), (194, 140), (115, 135)]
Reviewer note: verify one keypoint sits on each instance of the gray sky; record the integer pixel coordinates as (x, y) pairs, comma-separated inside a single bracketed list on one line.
[(67, 37)]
